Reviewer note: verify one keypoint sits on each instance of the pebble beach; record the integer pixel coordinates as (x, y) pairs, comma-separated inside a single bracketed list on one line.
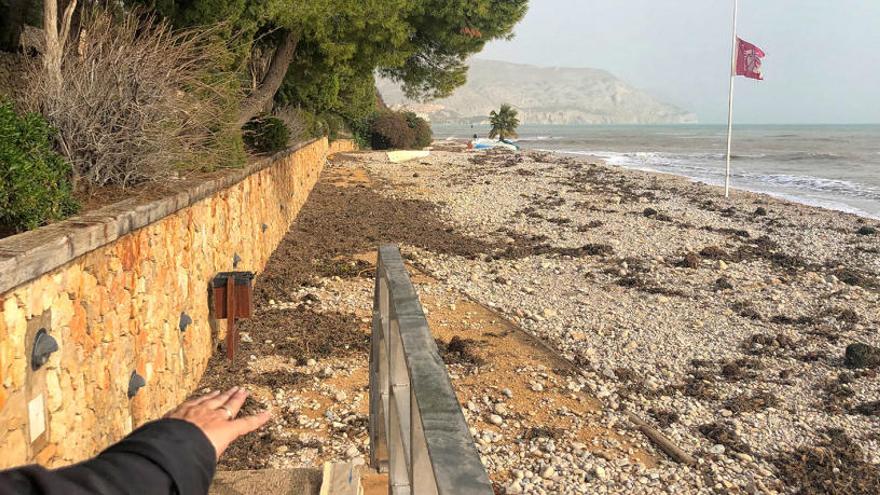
[(724, 323), (744, 330)]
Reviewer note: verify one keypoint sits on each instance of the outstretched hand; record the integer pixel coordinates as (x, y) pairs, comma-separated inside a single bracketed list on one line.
[(215, 414)]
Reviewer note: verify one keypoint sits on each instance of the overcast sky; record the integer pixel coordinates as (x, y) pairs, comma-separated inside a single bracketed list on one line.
[(822, 64)]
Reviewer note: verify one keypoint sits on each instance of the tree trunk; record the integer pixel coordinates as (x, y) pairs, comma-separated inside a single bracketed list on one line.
[(52, 53), (55, 40), (261, 98)]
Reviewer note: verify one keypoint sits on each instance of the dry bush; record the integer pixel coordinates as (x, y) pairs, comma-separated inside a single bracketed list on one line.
[(10, 78), (296, 122), (139, 101)]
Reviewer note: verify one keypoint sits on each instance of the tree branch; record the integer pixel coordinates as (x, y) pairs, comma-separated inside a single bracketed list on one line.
[(262, 96), (65, 23)]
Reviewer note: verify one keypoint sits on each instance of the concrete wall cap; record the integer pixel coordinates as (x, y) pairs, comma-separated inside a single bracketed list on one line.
[(27, 256)]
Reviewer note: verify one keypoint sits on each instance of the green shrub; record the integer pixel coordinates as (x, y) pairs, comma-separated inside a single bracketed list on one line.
[(391, 130), (296, 120), (360, 130), (423, 133), (335, 126), (319, 127), (34, 180), (266, 135)]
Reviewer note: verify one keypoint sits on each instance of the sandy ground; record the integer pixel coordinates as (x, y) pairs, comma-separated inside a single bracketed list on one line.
[(563, 294)]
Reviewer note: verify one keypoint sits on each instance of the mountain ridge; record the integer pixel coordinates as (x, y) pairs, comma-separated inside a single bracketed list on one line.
[(542, 95)]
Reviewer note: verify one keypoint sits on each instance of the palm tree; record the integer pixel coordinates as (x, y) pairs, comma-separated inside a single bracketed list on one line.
[(504, 122)]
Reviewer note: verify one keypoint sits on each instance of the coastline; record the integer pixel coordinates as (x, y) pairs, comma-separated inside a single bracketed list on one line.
[(784, 196), (831, 166), (724, 322)]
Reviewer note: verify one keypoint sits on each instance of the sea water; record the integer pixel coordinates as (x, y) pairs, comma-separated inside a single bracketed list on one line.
[(832, 166)]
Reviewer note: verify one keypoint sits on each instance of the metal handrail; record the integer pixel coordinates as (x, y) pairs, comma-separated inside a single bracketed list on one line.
[(418, 433)]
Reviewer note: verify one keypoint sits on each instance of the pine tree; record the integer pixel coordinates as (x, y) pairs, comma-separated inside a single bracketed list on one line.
[(325, 47)]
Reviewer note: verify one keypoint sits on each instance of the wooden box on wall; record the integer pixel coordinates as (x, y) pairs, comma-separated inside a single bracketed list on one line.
[(243, 293)]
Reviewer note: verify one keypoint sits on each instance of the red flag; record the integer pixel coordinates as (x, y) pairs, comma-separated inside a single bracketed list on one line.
[(748, 60)]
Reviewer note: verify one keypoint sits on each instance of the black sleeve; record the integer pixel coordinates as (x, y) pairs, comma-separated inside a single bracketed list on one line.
[(168, 456)]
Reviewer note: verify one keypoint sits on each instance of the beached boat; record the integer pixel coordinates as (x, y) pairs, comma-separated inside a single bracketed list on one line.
[(406, 155), (485, 144)]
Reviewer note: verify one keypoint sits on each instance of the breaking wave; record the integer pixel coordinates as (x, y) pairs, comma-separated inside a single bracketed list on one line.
[(709, 167)]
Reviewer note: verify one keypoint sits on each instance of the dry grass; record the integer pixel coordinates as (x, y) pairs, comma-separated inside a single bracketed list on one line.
[(138, 100)]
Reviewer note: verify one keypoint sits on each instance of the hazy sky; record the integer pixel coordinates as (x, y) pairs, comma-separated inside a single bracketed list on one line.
[(822, 64)]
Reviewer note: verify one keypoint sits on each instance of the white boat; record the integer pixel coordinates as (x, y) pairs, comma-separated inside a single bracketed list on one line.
[(406, 155), (486, 144)]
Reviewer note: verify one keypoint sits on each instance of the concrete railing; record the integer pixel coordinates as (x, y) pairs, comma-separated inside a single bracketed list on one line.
[(417, 430)]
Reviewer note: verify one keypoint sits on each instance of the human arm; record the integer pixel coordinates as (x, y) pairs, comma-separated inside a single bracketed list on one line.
[(175, 455)]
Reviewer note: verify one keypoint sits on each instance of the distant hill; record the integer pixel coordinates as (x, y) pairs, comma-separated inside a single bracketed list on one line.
[(543, 95)]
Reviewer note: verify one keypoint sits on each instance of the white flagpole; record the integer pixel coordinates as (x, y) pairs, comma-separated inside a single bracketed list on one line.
[(733, 55)]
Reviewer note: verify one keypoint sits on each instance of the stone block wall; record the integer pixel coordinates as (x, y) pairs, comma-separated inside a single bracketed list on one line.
[(110, 287)]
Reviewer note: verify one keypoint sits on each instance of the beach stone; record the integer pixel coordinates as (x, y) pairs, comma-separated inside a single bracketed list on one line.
[(514, 488), (861, 355), (716, 449), (496, 419), (866, 230)]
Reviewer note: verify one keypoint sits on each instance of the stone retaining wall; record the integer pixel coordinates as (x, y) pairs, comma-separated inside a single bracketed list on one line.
[(111, 287)]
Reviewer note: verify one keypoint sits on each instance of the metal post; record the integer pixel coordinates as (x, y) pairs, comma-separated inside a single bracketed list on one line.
[(734, 52), (230, 318)]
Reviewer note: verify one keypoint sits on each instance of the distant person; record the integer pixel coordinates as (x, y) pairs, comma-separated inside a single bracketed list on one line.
[(176, 455)]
